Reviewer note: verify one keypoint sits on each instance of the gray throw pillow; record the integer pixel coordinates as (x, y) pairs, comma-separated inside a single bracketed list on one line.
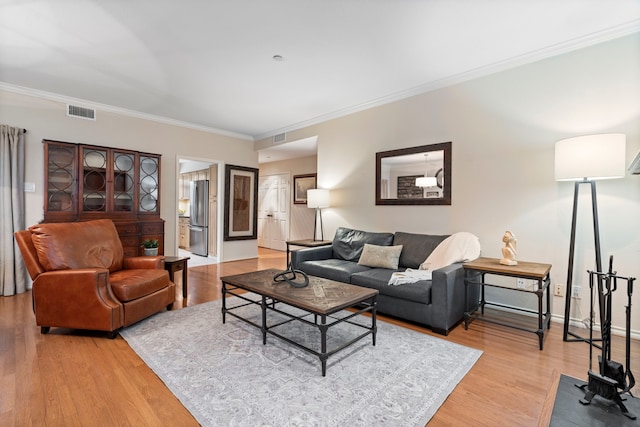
[(380, 256)]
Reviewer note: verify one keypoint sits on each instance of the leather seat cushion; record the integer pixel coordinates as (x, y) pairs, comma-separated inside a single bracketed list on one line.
[(378, 278), (332, 269), (129, 285)]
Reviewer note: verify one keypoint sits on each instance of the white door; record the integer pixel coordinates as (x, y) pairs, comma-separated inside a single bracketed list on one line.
[(273, 211)]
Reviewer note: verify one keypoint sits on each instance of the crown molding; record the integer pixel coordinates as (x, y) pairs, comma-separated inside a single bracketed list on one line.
[(117, 110), (533, 56), (516, 61)]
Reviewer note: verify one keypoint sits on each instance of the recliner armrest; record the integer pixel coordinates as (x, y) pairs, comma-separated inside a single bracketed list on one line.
[(151, 262), (77, 299), (311, 254)]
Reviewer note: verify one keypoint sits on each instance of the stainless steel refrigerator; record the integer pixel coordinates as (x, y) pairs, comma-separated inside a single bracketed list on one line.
[(199, 218)]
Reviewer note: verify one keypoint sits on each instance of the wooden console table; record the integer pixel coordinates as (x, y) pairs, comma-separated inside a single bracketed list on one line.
[(524, 270)]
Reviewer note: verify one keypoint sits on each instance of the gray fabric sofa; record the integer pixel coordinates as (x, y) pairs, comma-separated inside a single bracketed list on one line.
[(437, 303)]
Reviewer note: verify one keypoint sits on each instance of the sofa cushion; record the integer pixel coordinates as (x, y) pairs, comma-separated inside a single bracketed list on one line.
[(76, 245), (332, 269), (378, 278), (380, 256), (348, 243), (128, 285), (415, 247)]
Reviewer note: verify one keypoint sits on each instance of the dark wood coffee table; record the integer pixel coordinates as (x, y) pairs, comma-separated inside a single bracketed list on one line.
[(322, 298)]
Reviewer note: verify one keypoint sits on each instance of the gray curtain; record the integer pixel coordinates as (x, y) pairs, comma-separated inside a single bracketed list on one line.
[(13, 274)]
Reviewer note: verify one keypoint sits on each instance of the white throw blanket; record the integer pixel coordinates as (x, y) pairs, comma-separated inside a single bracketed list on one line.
[(459, 247), (409, 276)]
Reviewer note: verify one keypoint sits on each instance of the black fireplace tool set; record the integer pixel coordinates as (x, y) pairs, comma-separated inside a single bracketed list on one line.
[(612, 379)]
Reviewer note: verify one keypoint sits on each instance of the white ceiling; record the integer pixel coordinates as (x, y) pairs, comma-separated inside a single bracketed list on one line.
[(209, 64)]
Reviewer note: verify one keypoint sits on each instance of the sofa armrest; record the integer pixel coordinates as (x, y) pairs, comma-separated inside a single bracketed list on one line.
[(447, 297), (310, 254), (79, 299), (149, 262)]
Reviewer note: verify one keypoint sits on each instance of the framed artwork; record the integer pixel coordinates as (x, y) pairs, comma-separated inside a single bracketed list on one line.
[(302, 183), (240, 203)]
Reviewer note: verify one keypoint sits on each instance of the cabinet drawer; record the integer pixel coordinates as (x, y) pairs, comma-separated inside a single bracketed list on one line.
[(129, 241), (127, 228), (152, 228)]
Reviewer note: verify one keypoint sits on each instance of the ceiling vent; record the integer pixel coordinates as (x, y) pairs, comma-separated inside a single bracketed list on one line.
[(81, 112), (281, 137)]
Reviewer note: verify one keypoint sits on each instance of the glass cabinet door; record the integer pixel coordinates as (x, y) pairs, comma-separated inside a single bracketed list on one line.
[(61, 178), (93, 184), (123, 181), (149, 189)]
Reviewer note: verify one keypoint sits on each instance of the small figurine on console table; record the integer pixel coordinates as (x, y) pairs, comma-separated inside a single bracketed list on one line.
[(509, 251)]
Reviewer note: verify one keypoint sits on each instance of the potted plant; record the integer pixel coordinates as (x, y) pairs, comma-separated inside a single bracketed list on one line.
[(150, 247)]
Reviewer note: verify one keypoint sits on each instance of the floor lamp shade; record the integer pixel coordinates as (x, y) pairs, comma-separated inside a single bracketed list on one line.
[(590, 157), (318, 198), (585, 159)]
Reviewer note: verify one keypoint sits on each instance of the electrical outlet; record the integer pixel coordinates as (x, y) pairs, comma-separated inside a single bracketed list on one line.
[(558, 290)]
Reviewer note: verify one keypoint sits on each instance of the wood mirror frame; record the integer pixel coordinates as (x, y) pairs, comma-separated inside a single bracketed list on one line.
[(413, 162)]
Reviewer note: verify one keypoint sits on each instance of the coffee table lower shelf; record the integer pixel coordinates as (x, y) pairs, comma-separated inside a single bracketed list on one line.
[(323, 319)]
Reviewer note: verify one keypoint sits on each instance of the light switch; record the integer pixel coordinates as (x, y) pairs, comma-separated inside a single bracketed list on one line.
[(29, 187)]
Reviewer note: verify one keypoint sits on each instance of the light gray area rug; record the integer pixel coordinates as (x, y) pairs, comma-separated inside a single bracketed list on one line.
[(225, 376)]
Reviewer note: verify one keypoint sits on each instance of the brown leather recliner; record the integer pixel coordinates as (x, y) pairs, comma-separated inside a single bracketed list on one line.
[(81, 279)]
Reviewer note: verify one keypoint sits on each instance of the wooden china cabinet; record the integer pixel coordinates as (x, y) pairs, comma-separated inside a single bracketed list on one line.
[(84, 182)]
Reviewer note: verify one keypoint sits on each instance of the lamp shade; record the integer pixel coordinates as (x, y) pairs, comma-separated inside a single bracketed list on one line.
[(318, 198), (426, 181), (590, 157)]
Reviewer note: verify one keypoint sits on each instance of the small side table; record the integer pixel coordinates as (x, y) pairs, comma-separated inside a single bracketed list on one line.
[(524, 270), (176, 263), (306, 243)]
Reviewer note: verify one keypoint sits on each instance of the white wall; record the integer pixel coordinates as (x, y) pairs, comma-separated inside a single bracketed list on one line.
[(503, 128), (301, 223), (46, 119)]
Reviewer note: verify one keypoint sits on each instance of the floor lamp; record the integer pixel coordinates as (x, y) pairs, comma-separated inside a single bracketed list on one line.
[(318, 198), (585, 159)]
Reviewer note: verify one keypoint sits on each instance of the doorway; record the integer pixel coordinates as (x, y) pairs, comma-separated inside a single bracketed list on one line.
[(273, 211), (192, 170)]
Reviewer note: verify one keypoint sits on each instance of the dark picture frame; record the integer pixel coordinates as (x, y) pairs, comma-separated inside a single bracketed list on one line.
[(302, 183), (415, 156), (240, 203)]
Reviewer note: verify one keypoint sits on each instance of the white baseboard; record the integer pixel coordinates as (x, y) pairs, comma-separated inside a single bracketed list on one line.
[(556, 318)]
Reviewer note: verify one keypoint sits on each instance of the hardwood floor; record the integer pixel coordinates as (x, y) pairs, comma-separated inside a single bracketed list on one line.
[(69, 378)]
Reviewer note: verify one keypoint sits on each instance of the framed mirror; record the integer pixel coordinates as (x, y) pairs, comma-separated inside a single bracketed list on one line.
[(414, 176)]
